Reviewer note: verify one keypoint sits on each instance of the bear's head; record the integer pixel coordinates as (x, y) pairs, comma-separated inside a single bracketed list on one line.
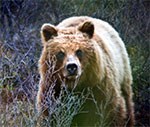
[(68, 54)]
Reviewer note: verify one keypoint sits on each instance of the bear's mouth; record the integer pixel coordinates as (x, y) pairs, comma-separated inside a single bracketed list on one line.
[(71, 81), (71, 77)]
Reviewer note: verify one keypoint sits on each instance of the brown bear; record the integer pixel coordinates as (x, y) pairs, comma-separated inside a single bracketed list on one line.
[(85, 52)]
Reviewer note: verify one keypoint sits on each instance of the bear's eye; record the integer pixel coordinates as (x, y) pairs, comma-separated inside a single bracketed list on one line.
[(79, 53), (60, 55)]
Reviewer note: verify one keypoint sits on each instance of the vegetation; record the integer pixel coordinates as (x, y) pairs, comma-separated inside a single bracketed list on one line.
[(20, 48)]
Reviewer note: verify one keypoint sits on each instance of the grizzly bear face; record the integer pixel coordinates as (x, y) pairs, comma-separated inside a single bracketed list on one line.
[(69, 51), (69, 58)]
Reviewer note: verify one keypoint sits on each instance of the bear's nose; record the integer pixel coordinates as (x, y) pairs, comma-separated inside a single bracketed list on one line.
[(72, 69)]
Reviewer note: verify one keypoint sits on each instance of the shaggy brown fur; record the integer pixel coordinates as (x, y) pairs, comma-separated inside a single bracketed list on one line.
[(101, 63)]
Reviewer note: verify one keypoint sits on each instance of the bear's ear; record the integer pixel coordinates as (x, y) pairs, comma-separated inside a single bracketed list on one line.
[(88, 28), (48, 31)]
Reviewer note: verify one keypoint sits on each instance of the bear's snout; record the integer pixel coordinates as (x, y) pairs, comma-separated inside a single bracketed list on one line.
[(72, 69)]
